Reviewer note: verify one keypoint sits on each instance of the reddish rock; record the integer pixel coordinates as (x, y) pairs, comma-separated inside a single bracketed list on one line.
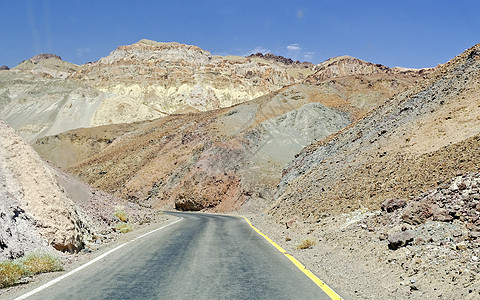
[(416, 213), (393, 204)]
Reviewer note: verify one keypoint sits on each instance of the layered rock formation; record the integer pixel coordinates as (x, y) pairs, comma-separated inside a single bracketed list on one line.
[(346, 65), (172, 77), (414, 142), (35, 210), (219, 159), (45, 95)]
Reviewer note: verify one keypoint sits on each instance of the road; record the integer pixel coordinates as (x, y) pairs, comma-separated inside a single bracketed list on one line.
[(201, 257)]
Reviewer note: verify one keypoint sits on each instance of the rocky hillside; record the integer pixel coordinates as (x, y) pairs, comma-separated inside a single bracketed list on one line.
[(45, 95), (47, 65), (175, 78), (417, 140), (219, 159), (36, 106), (346, 65), (35, 210)]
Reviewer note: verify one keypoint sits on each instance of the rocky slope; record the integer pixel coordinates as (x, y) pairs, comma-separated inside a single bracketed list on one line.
[(219, 159), (47, 65), (414, 142), (425, 248), (173, 77), (45, 95), (36, 106), (36, 212), (346, 65)]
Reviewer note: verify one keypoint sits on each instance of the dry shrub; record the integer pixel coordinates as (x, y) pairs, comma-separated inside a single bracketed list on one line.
[(41, 262), (306, 244), (121, 214), (10, 273), (123, 227)]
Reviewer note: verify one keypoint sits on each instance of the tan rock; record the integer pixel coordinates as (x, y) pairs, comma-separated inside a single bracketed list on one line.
[(32, 183)]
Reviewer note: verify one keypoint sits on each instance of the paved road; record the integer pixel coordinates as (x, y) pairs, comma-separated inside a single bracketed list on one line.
[(201, 257)]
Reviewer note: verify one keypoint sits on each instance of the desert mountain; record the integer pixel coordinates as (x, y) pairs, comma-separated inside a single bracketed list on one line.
[(173, 77), (346, 65), (45, 95), (47, 65), (416, 141), (35, 210), (223, 158), (36, 106)]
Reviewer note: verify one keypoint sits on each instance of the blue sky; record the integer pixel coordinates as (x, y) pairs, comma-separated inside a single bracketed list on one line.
[(421, 33)]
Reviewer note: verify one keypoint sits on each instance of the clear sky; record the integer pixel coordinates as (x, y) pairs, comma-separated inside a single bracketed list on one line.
[(407, 33)]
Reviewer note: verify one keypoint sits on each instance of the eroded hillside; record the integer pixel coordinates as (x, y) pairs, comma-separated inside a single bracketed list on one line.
[(176, 78), (416, 141), (36, 212), (221, 159)]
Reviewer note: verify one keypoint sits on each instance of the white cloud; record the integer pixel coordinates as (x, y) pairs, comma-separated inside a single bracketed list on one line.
[(294, 47), (308, 55), (82, 51)]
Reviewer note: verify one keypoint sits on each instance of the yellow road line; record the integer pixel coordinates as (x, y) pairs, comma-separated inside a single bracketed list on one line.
[(331, 293)]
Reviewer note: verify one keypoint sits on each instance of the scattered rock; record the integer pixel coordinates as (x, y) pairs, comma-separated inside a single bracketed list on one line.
[(400, 239), (393, 204), (416, 212), (461, 246), (290, 222)]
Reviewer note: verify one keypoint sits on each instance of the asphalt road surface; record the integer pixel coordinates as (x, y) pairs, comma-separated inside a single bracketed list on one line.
[(201, 257)]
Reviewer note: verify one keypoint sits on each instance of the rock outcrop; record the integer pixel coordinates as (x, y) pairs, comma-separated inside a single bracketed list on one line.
[(4, 68), (31, 198), (346, 66), (36, 106), (281, 59), (48, 66), (173, 77)]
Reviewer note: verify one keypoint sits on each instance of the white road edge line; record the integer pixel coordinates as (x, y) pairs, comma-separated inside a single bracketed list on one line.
[(50, 283)]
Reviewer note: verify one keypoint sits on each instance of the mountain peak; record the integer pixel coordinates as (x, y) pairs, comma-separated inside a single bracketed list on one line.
[(44, 56)]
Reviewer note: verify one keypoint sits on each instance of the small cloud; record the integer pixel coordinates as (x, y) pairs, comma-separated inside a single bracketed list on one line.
[(82, 51), (308, 55), (300, 14), (294, 47)]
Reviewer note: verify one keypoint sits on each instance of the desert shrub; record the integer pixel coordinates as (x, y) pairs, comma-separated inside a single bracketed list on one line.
[(121, 214), (33, 263), (306, 244), (123, 227), (11, 272), (41, 262)]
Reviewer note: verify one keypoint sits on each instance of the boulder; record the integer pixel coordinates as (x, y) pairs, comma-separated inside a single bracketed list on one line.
[(393, 204), (400, 239)]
